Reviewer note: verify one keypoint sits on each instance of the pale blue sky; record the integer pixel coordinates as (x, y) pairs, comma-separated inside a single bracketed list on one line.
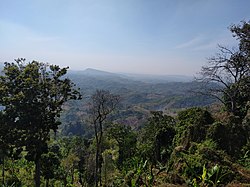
[(135, 36)]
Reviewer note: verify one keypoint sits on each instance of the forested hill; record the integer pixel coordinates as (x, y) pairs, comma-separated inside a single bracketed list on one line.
[(152, 92), (139, 95), (147, 78)]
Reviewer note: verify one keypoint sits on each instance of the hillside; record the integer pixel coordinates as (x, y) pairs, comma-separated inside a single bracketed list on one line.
[(139, 96), (151, 95)]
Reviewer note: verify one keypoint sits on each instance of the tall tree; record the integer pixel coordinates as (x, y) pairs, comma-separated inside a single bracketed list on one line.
[(103, 103), (230, 68), (33, 94)]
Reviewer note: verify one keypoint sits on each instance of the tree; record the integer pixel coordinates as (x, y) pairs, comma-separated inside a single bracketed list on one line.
[(50, 163), (157, 137), (6, 143), (74, 155), (192, 126), (229, 136), (33, 94), (126, 140), (103, 104), (230, 69)]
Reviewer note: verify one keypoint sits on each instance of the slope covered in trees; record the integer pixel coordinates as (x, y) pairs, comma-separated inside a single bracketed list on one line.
[(197, 146), (137, 98)]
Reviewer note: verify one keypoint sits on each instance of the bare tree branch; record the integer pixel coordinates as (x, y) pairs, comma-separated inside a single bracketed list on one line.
[(230, 70)]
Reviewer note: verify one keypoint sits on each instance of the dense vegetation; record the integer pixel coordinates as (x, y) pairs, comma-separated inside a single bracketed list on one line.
[(97, 146)]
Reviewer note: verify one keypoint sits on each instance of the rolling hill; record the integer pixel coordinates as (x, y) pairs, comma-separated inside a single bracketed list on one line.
[(139, 95)]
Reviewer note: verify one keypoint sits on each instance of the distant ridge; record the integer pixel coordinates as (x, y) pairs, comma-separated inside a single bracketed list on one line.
[(135, 77), (160, 78), (95, 72)]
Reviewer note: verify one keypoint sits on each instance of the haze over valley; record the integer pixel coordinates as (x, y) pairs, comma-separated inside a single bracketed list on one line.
[(140, 94)]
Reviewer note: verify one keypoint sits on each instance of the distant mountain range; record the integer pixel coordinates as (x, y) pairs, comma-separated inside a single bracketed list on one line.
[(137, 77), (151, 92), (139, 94), (90, 72)]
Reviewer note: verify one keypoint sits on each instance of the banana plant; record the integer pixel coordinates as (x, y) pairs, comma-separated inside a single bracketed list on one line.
[(213, 177)]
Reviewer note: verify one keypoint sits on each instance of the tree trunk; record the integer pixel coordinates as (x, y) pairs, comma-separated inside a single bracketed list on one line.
[(37, 172), (72, 177), (47, 182), (100, 169), (100, 153), (105, 171), (97, 165), (65, 181), (157, 151), (3, 174), (80, 179)]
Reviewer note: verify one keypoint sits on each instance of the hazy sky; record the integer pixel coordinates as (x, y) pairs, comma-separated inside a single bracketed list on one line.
[(135, 36)]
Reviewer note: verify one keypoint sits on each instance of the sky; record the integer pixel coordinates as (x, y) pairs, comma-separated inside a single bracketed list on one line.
[(163, 37)]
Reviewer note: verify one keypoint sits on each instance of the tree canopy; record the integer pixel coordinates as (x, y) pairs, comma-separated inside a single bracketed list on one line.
[(32, 95)]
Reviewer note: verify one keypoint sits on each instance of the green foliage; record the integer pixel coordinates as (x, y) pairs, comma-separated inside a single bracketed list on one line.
[(192, 148), (157, 138), (195, 116), (192, 126), (192, 164), (73, 159), (140, 174), (50, 163), (240, 92), (126, 139), (230, 137), (245, 156), (210, 177), (33, 94)]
